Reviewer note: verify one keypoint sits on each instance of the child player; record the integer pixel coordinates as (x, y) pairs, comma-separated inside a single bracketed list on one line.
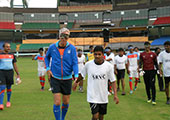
[(99, 72), (41, 67)]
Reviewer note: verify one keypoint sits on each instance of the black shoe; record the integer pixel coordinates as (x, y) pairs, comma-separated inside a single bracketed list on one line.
[(168, 102)]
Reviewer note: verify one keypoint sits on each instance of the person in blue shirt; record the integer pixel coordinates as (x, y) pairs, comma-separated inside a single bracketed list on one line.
[(64, 62), (7, 64)]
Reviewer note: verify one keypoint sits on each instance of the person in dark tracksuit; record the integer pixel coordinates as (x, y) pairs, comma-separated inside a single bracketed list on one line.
[(148, 59), (159, 77)]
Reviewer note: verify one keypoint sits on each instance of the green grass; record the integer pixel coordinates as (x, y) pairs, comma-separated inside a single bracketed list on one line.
[(29, 103)]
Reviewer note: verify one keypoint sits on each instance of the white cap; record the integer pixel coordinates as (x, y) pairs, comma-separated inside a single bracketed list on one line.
[(64, 30)]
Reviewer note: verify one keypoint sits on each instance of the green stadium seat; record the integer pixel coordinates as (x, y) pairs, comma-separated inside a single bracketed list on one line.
[(33, 46), (40, 26), (70, 25), (130, 23)]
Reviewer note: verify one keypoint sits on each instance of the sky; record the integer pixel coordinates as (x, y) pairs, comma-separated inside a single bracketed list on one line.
[(31, 3)]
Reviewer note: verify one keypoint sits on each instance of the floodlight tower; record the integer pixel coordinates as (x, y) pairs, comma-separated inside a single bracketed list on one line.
[(24, 4)]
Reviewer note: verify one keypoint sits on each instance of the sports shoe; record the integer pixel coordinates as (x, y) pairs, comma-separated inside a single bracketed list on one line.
[(131, 91), (8, 104), (123, 93), (153, 103), (149, 101), (135, 88), (1, 106), (49, 89), (168, 102), (109, 93), (81, 90)]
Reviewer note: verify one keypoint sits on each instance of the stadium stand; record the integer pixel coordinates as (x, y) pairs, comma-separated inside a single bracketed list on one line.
[(40, 26)]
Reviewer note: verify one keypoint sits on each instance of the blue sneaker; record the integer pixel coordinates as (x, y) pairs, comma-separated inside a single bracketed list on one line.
[(131, 91), (135, 88)]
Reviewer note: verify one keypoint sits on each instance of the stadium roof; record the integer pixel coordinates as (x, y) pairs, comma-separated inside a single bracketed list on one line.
[(31, 3)]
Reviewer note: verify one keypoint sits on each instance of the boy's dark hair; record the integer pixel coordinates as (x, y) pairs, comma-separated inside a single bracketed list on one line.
[(121, 49), (157, 48), (147, 43), (41, 49), (136, 48), (79, 50), (108, 48), (99, 48), (167, 43), (91, 47), (130, 46)]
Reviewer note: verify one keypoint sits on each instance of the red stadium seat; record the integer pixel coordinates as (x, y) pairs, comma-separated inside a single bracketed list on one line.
[(162, 20), (7, 25)]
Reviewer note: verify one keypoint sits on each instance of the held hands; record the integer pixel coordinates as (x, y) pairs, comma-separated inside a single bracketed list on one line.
[(74, 85), (49, 73)]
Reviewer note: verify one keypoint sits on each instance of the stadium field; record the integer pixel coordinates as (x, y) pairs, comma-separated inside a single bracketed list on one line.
[(29, 103)]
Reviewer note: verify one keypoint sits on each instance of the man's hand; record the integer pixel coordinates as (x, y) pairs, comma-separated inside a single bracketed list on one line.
[(116, 99), (74, 85), (49, 73)]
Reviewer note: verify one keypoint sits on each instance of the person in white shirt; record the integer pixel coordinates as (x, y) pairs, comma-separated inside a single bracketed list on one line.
[(81, 62), (164, 59), (120, 66), (132, 67), (111, 59), (98, 71), (41, 67)]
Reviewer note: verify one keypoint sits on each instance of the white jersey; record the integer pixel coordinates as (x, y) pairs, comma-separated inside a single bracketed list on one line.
[(81, 61), (112, 56), (41, 64), (97, 81), (120, 62), (164, 58), (133, 60)]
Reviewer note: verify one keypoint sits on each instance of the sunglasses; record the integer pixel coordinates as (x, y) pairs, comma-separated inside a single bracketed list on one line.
[(64, 36)]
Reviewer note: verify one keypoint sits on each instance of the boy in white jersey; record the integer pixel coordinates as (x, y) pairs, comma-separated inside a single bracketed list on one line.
[(41, 67), (164, 59), (120, 66), (132, 67), (98, 71), (81, 62)]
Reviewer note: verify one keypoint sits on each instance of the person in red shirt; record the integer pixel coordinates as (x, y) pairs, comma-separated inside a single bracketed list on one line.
[(148, 60)]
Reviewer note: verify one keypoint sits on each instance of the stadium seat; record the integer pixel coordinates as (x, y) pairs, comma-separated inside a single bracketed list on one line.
[(162, 20), (7, 25), (32, 46), (130, 23), (40, 26)]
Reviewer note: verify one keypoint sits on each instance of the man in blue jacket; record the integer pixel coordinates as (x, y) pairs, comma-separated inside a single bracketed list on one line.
[(63, 58)]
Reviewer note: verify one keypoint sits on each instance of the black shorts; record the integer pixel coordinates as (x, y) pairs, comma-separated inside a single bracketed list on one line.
[(120, 74), (61, 86), (101, 108), (6, 77), (167, 80)]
